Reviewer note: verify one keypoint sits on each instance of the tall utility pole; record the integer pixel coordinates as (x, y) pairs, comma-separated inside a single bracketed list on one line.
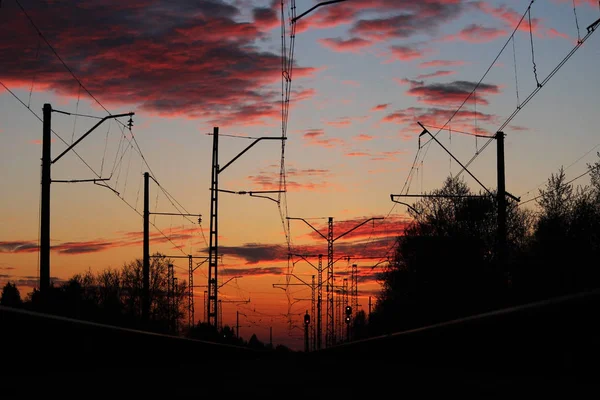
[(175, 305), (220, 311), (313, 312), (47, 180), (354, 288), (146, 259), (330, 321), (330, 282), (501, 196), (320, 302), (45, 212), (369, 306), (213, 248), (212, 308), (191, 310), (170, 293), (237, 324), (346, 293), (205, 308), (306, 324)]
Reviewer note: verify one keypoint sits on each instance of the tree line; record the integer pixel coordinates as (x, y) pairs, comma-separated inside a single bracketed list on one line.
[(114, 297), (446, 264)]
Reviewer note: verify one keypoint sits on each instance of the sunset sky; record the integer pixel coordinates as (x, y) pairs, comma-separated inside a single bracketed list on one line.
[(365, 71)]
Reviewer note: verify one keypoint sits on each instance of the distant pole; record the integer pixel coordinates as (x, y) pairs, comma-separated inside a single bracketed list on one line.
[(237, 324), (313, 311), (191, 310), (330, 336), (204, 303), (501, 198), (146, 265), (45, 200), (320, 302), (170, 292), (271, 336), (369, 305), (306, 324), (175, 305)]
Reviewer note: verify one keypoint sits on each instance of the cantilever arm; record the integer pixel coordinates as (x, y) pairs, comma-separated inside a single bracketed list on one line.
[(324, 3), (405, 204), (248, 148), (356, 227), (90, 131), (305, 259), (307, 223), (425, 130)]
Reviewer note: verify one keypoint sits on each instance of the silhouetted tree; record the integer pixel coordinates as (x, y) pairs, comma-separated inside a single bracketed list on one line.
[(162, 316), (115, 297), (255, 343), (445, 265), (566, 239), (11, 296)]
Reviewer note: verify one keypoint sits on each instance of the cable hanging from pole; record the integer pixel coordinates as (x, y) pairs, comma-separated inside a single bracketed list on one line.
[(76, 113), (516, 75), (577, 22), (532, 49), (37, 51), (590, 30)]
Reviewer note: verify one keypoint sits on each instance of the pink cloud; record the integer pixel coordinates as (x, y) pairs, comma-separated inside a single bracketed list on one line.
[(316, 137), (340, 122), (441, 63), (124, 239), (380, 107), (352, 45), (392, 226), (554, 33), (363, 137), (312, 179), (387, 155), (518, 128), (267, 18), (510, 17), (313, 133), (434, 116), (303, 94), (406, 53), (450, 93), (170, 71), (357, 154), (434, 74), (476, 33), (39, 141)]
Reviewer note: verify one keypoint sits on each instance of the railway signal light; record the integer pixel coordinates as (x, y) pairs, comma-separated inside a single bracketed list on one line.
[(306, 319)]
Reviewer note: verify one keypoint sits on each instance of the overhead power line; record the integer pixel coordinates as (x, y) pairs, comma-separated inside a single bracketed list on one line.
[(132, 141), (485, 73), (566, 184), (590, 30)]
